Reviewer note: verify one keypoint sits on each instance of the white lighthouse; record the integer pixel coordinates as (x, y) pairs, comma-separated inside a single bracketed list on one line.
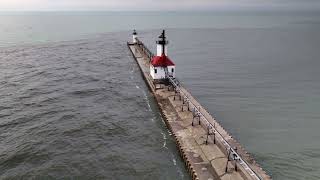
[(161, 66), (162, 45), (134, 37)]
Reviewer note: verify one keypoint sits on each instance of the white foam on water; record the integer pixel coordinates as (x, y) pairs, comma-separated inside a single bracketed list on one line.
[(174, 161), (165, 140), (147, 100), (162, 118), (165, 144), (149, 107), (163, 135)]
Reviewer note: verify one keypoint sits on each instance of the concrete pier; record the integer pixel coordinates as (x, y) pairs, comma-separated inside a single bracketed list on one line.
[(208, 151)]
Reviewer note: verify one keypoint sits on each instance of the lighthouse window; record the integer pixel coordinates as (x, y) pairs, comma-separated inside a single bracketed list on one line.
[(172, 70), (155, 71)]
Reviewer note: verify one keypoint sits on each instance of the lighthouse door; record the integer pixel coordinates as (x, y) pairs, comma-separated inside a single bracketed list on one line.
[(166, 72)]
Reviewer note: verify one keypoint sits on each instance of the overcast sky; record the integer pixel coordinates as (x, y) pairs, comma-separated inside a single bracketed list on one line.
[(136, 5)]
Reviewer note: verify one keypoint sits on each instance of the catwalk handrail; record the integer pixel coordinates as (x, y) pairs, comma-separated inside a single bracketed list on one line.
[(145, 49), (210, 125)]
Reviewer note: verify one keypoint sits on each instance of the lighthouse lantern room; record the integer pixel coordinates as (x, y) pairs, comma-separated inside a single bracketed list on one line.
[(161, 67), (134, 37)]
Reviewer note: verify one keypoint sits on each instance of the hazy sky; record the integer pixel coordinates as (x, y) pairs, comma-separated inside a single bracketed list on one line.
[(155, 4)]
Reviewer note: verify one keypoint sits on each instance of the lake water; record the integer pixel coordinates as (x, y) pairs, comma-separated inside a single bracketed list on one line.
[(73, 103)]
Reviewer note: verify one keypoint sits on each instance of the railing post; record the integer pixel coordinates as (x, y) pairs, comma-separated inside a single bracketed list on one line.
[(214, 133), (193, 115), (235, 160), (229, 151), (208, 133)]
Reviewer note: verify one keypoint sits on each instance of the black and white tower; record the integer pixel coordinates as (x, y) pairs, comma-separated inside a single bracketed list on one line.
[(134, 36), (162, 44)]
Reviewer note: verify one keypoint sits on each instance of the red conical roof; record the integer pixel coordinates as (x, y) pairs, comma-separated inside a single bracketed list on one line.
[(162, 61)]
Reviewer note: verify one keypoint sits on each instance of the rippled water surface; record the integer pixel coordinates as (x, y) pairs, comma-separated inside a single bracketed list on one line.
[(75, 106), (80, 109)]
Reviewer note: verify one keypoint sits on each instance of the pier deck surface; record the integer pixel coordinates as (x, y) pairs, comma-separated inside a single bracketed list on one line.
[(204, 161)]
